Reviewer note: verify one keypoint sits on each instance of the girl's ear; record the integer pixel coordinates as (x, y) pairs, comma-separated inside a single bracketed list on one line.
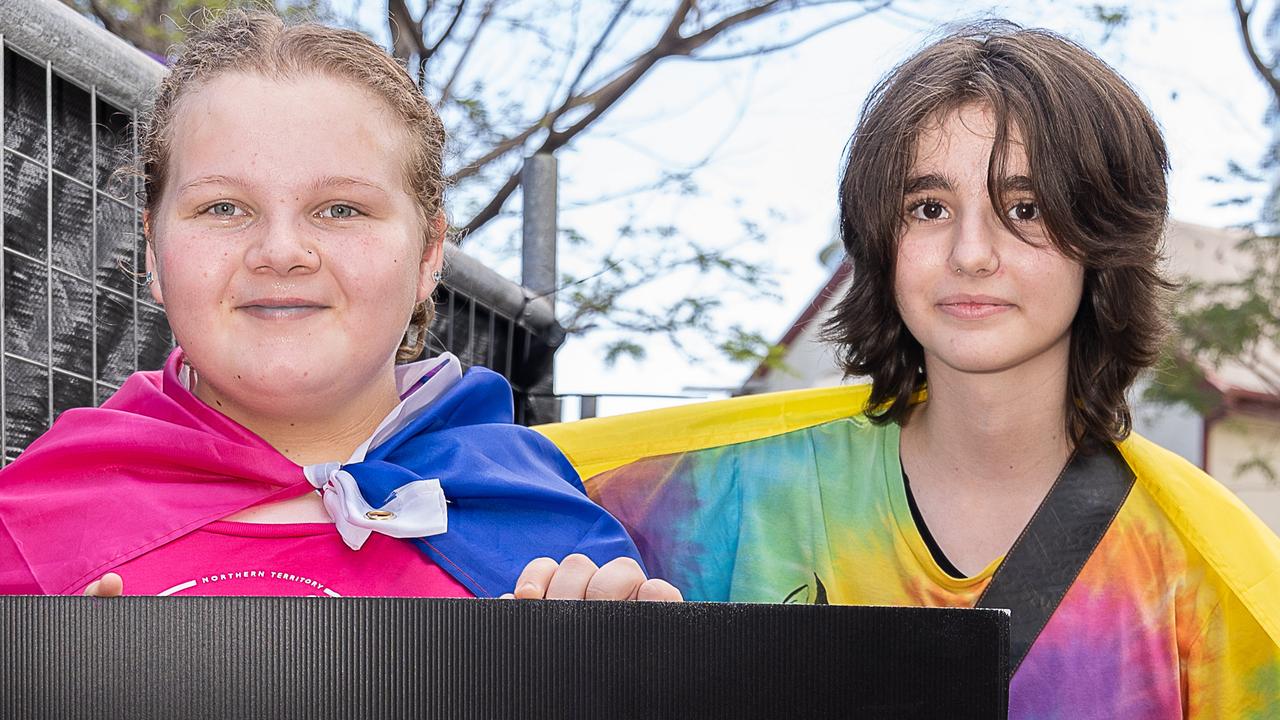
[(432, 257), (152, 266)]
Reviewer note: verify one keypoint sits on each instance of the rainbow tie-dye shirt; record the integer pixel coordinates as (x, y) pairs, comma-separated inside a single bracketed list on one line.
[(1150, 629)]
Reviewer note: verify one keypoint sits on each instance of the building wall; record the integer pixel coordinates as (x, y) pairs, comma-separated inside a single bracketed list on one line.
[(1236, 446), (808, 363)]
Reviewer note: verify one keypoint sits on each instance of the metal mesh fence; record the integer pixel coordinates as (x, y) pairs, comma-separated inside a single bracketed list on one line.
[(76, 321), (481, 335)]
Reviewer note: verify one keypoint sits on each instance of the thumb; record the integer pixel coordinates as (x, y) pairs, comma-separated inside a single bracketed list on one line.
[(109, 585)]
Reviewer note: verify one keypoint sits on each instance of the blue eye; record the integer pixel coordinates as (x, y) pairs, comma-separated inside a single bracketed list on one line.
[(340, 211), (222, 209)]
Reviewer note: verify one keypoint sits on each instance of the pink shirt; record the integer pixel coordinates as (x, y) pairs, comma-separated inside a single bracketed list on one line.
[(299, 559)]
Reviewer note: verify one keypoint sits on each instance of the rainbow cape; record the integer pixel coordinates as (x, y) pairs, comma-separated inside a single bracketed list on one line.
[(743, 499)]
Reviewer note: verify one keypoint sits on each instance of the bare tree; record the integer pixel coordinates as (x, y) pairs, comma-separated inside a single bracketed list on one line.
[(685, 32)]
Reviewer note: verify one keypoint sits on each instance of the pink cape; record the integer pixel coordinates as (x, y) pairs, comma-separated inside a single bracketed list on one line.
[(107, 484)]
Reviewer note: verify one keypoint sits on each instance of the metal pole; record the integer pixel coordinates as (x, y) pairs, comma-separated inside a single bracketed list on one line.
[(538, 181)]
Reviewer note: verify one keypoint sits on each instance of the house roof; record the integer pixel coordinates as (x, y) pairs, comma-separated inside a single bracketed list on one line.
[(817, 305)]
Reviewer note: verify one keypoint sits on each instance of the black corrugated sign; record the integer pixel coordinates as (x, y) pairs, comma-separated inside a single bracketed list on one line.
[(237, 657)]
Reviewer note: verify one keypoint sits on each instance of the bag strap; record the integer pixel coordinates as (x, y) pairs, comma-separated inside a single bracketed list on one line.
[(1057, 542)]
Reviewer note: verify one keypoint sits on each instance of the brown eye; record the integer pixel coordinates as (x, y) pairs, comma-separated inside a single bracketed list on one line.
[(929, 210), (1024, 212)]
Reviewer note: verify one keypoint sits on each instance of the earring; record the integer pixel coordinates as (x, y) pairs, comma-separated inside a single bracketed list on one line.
[(437, 276), (149, 278)]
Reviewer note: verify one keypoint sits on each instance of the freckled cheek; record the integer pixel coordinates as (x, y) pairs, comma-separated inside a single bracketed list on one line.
[(1055, 284), (191, 276), (911, 284), (382, 284)]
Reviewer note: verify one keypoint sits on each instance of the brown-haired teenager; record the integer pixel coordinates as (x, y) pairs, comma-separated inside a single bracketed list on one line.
[(1002, 206)]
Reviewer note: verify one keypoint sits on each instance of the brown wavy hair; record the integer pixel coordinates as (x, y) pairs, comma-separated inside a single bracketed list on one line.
[(260, 42), (1097, 165)]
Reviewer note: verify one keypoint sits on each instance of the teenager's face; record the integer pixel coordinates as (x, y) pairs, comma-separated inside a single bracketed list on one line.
[(288, 253), (978, 298)]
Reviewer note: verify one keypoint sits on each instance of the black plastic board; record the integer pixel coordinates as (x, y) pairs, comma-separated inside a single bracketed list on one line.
[(237, 657)]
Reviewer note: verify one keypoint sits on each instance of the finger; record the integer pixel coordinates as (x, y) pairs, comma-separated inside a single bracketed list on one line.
[(659, 591), (570, 581), (507, 596), (618, 579), (109, 585), (535, 578)]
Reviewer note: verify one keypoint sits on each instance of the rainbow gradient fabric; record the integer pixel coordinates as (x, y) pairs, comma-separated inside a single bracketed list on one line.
[(1174, 616)]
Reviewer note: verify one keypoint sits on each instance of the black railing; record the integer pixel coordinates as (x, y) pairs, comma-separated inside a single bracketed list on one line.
[(76, 320)]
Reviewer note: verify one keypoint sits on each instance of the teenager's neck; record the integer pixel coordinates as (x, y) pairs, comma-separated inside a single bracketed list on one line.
[(993, 429), (312, 435)]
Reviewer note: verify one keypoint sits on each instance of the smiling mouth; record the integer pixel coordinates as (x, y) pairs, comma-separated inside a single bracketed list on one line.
[(281, 311), (974, 310)]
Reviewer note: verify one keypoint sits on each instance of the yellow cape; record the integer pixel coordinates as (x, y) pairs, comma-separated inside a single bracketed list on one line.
[(1227, 534)]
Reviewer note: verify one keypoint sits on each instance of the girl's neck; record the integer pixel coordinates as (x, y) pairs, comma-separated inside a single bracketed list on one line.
[(309, 435), (993, 429)]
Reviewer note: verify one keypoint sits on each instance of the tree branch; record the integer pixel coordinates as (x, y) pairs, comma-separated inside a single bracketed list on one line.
[(457, 15), (1264, 70), (794, 41), (491, 210), (708, 34), (498, 150), (485, 15), (595, 49), (105, 17), (405, 31), (671, 43)]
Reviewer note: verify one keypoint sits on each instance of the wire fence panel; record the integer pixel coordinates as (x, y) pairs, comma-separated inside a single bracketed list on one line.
[(76, 319), (70, 252), (482, 335)]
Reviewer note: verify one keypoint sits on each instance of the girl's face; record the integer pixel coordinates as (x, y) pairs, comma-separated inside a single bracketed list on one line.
[(287, 250), (978, 298)]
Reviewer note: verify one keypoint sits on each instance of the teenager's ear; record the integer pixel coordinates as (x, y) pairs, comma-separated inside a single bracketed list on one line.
[(432, 257), (152, 265)]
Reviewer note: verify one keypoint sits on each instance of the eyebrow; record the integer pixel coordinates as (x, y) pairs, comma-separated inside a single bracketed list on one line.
[(1016, 183), (328, 181), (934, 181), (214, 180), (924, 183)]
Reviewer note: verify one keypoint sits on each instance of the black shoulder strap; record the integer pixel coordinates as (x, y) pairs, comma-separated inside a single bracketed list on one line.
[(1056, 543)]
